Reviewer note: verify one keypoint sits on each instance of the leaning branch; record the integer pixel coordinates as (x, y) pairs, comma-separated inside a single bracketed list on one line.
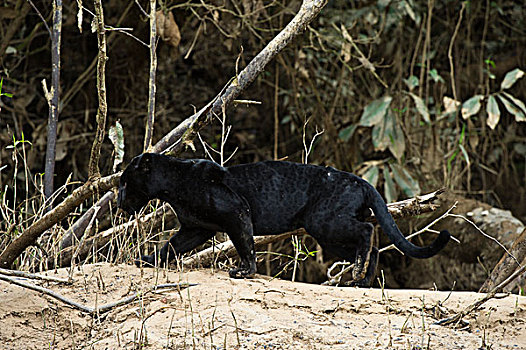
[(99, 240), (507, 264)]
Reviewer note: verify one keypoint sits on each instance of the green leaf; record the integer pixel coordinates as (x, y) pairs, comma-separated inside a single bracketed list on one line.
[(493, 111), (371, 175), (7, 94), (490, 62), (517, 103), (380, 142), (373, 113), (402, 177), (471, 106), (389, 187), (388, 134), (510, 78), (116, 135), (395, 135), (285, 119), (411, 82), (520, 115), (465, 154), (433, 73), (421, 107), (346, 133)]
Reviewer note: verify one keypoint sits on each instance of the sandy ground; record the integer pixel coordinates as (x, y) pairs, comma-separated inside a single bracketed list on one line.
[(222, 313)]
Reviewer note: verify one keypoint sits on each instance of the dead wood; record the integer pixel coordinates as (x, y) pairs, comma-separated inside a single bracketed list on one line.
[(33, 276), (93, 170), (507, 264), (88, 309), (151, 81)]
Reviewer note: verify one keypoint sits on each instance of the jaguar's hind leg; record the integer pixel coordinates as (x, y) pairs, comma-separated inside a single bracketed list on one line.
[(348, 239), (371, 271), (363, 251)]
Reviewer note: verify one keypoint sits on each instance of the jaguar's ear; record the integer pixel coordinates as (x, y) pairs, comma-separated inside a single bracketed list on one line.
[(143, 162)]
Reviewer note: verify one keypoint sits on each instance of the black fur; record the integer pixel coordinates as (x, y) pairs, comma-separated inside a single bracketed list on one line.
[(265, 198)]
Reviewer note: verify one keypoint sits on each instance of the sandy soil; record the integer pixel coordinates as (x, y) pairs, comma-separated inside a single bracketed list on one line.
[(221, 313)]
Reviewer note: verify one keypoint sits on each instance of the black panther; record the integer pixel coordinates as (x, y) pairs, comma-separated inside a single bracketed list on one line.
[(265, 198)]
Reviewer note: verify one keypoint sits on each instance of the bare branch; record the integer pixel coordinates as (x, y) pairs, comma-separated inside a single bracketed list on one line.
[(53, 101), (33, 276), (101, 88), (151, 81), (87, 309)]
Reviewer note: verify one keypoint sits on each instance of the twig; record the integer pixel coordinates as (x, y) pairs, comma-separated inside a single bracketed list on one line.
[(33, 276), (458, 317), (42, 17), (450, 50), (101, 89), (365, 62), (123, 31), (334, 280), (487, 236), (81, 243), (87, 309), (141, 9)]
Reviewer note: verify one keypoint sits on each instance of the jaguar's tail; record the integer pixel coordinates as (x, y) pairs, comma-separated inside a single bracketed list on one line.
[(388, 225)]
